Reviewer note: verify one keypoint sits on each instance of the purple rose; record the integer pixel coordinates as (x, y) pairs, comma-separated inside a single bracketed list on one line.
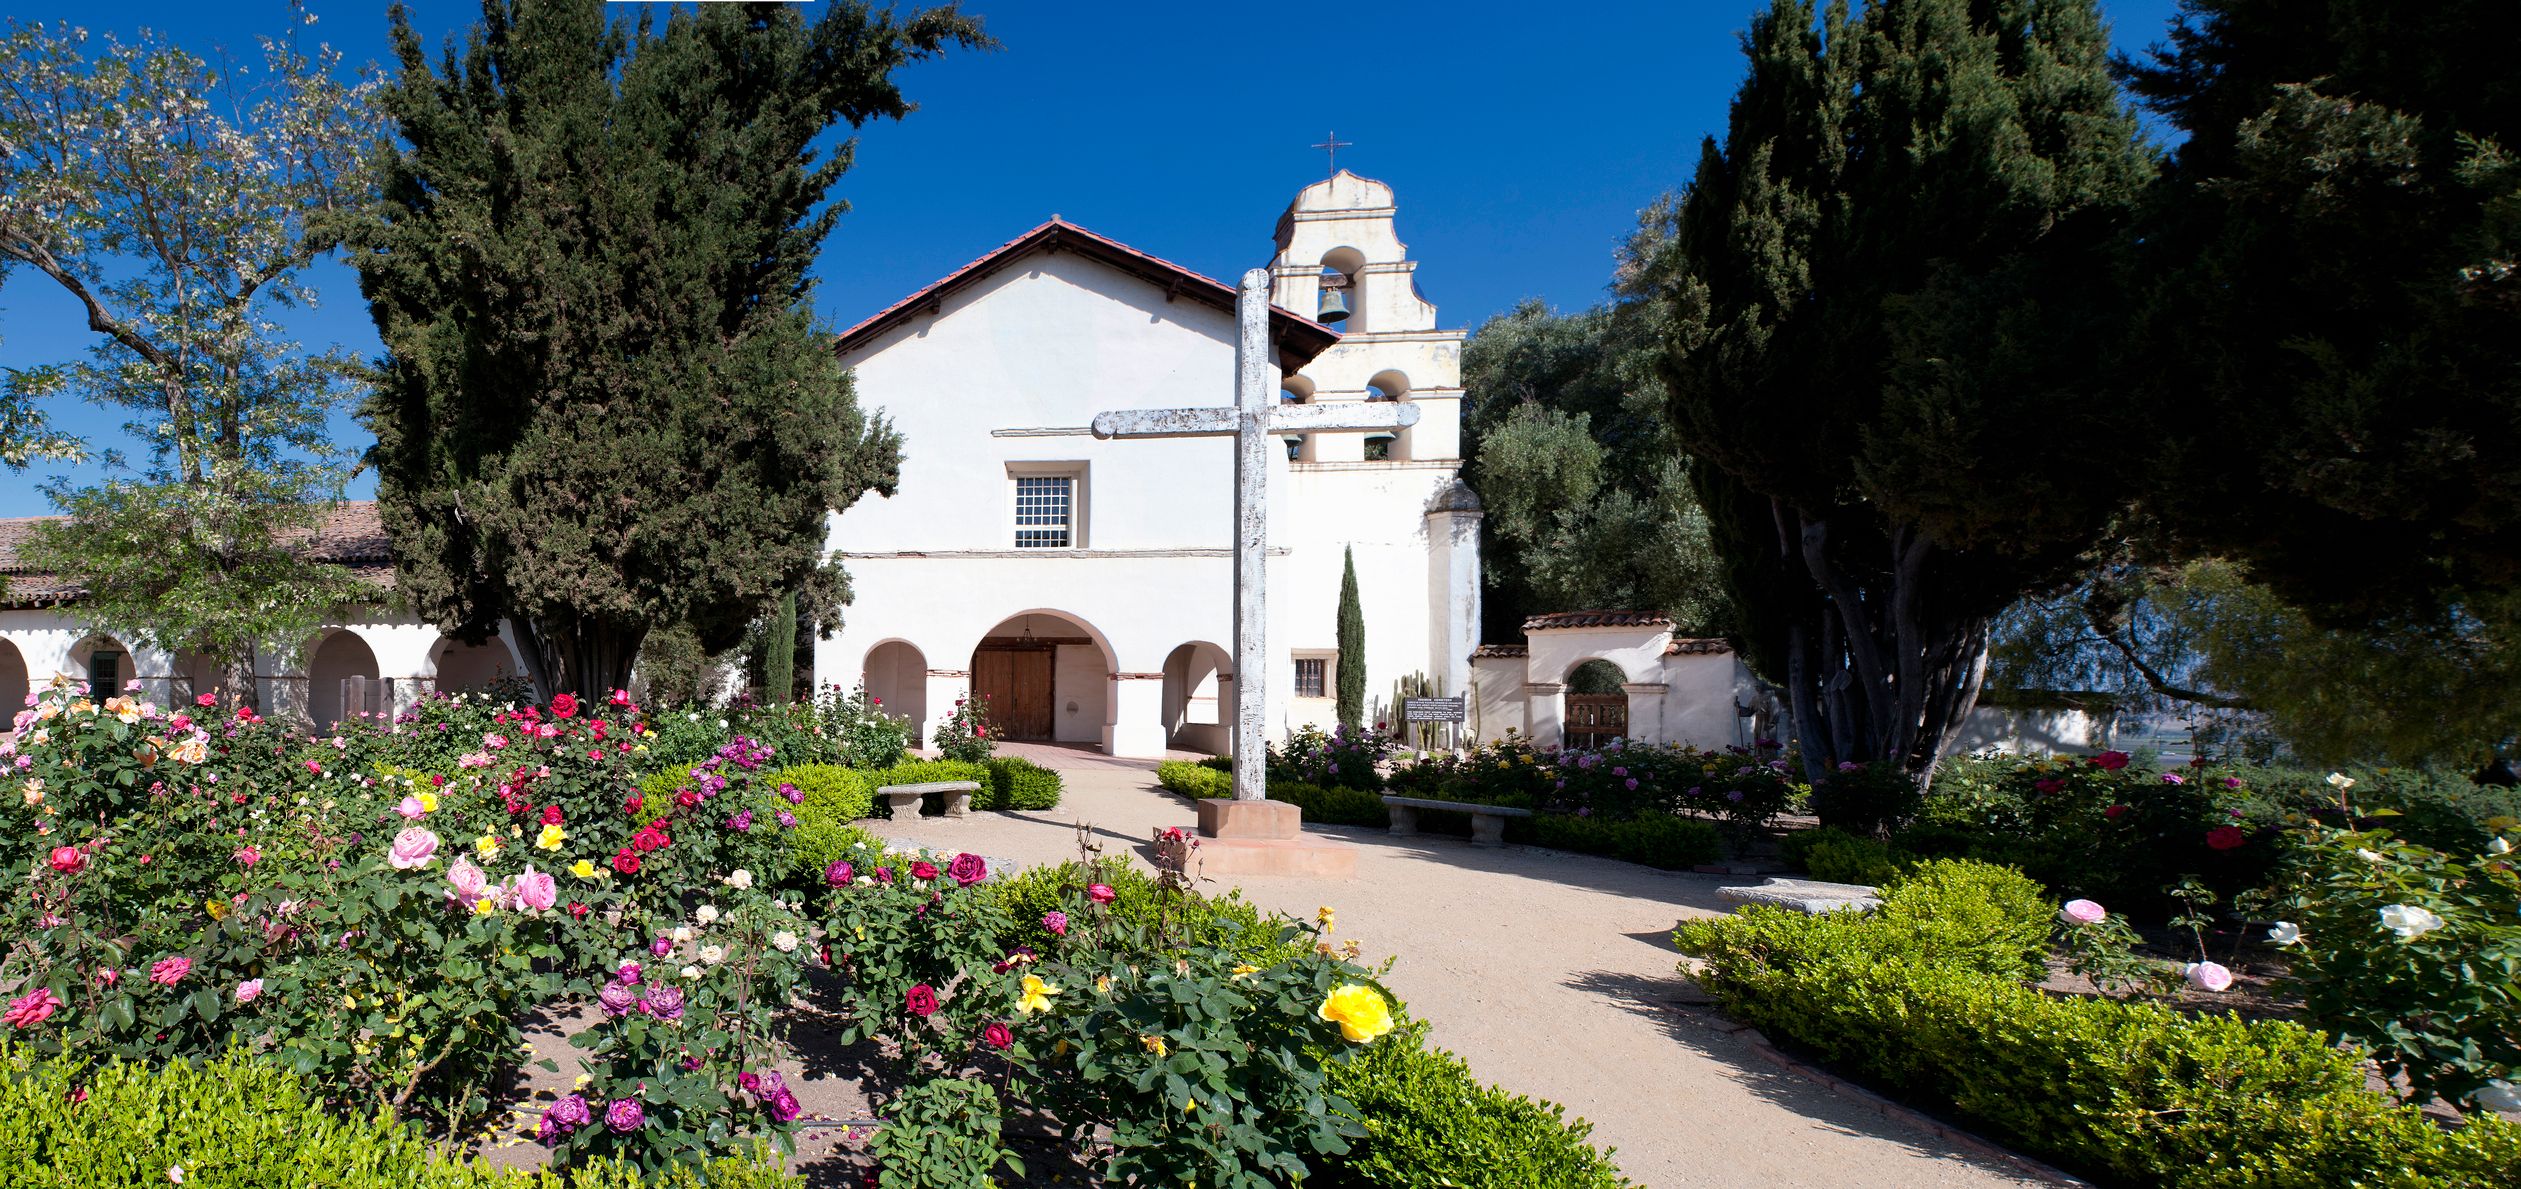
[(568, 1113), (838, 873), (1632, 784), (1620, 771), (749, 1081), (787, 820), (967, 869), (617, 999), (628, 975), (1733, 795), (790, 792), (741, 822), (663, 1002), (625, 1115), (784, 1106), (661, 946)]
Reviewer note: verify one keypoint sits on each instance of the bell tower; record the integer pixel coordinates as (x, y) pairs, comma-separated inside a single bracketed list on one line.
[(1341, 260)]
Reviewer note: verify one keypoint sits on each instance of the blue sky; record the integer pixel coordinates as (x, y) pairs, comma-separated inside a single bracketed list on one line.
[(1521, 140)]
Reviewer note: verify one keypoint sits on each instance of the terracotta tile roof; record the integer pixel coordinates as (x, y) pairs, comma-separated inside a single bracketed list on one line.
[(350, 535), (1299, 338), (1500, 650), (1597, 619), (1697, 644)]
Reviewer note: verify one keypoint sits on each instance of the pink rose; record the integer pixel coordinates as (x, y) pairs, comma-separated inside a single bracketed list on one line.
[(1056, 922), (249, 990), (410, 808), (205, 699), (414, 847), (32, 1008), (535, 890), (1101, 893), (2082, 912), (68, 859), (167, 972), (468, 880), (2209, 976), (2110, 761), (247, 856)]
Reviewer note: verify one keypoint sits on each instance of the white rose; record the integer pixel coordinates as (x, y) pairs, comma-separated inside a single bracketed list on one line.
[(784, 941), (691, 972), (2284, 933), (708, 914), (682, 933), (2409, 921), (2499, 847), (2368, 855), (740, 878), (712, 954), (2340, 781)]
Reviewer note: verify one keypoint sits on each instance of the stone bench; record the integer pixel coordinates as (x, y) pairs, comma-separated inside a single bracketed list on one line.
[(1806, 895), (904, 798), (1488, 822)]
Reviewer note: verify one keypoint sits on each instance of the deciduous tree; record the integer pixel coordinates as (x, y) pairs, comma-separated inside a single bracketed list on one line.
[(606, 405), (178, 203)]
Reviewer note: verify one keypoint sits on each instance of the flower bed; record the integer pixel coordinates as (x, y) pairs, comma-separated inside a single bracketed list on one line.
[(377, 912), (1927, 998)]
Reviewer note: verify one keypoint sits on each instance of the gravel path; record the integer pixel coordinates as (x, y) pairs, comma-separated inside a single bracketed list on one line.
[(1552, 974)]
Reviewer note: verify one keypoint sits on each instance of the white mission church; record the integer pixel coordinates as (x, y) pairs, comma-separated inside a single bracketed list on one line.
[(1085, 586)]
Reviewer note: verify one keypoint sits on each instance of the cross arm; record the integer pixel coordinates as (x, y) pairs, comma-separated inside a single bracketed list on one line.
[(1339, 415), (1164, 423)]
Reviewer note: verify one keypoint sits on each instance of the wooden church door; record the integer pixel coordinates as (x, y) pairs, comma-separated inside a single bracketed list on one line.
[(1017, 684)]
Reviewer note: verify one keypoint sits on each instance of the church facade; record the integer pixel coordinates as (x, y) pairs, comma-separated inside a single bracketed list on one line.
[(1083, 587)]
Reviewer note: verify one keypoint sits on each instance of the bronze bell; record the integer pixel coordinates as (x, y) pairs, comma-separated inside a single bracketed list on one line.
[(1334, 305)]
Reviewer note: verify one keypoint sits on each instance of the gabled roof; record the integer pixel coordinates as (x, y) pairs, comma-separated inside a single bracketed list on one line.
[(348, 535), (1297, 337), (1597, 619)]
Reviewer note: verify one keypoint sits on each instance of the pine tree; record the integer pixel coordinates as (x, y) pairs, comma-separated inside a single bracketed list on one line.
[(1883, 307), (605, 405), (1352, 647)]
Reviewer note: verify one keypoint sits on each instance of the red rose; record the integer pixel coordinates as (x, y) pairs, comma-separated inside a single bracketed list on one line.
[(627, 862), (648, 838), (551, 815), (1101, 893), (997, 1036), (2110, 761), (922, 1001), (68, 859), (968, 869), (632, 805), (564, 706), (687, 798), (2226, 837), (923, 869), (577, 910), (2114, 812)]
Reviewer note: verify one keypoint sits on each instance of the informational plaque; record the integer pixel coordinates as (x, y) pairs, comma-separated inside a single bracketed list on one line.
[(1433, 710)]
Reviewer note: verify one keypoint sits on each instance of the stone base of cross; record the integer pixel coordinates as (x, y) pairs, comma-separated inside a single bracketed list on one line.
[(1257, 423)]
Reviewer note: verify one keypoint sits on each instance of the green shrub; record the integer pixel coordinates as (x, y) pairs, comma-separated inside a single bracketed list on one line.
[(1840, 857), (243, 1123), (1986, 918), (1333, 806), (2133, 1093), (941, 1133), (1430, 1124), (834, 798), (1018, 783), (1226, 921), (657, 789), (1195, 780), (1653, 839)]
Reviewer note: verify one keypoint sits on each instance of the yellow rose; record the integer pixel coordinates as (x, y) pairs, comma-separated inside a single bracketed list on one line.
[(1246, 970), (1036, 995), (550, 838), (582, 869), (487, 844), (428, 802), (218, 909), (1360, 1011), (484, 906), (1154, 1044)]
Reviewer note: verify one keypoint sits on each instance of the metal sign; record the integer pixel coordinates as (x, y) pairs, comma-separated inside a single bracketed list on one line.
[(1433, 710)]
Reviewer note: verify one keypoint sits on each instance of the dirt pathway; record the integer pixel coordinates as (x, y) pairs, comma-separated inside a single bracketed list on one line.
[(1551, 974)]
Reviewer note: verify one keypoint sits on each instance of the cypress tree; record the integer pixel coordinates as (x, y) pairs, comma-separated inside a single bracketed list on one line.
[(779, 657), (1352, 646), (1883, 309), (605, 404)]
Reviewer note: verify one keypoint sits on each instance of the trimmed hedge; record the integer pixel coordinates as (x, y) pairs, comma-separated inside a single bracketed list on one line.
[(1653, 839), (1018, 783), (1226, 920), (1194, 780), (1926, 997), (834, 797), (1334, 806), (1836, 856), (244, 1123), (1431, 1124)]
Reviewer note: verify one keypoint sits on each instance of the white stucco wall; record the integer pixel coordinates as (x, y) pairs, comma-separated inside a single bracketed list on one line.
[(1684, 697)]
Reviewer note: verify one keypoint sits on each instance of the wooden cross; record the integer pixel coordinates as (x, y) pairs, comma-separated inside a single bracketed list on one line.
[(1332, 146), (1256, 421)]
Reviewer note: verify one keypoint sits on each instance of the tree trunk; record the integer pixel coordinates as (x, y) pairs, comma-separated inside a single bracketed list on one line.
[(779, 662), (577, 656), (236, 672)]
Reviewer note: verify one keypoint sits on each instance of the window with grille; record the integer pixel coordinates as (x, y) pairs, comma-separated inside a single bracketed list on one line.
[(1310, 674), (1045, 508)]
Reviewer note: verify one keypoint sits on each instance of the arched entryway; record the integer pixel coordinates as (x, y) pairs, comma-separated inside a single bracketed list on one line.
[(1597, 704), (1046, 676), (14, 683), (896, 676), (471, 668), (1198, 690), (104, 663), (342, 680)]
